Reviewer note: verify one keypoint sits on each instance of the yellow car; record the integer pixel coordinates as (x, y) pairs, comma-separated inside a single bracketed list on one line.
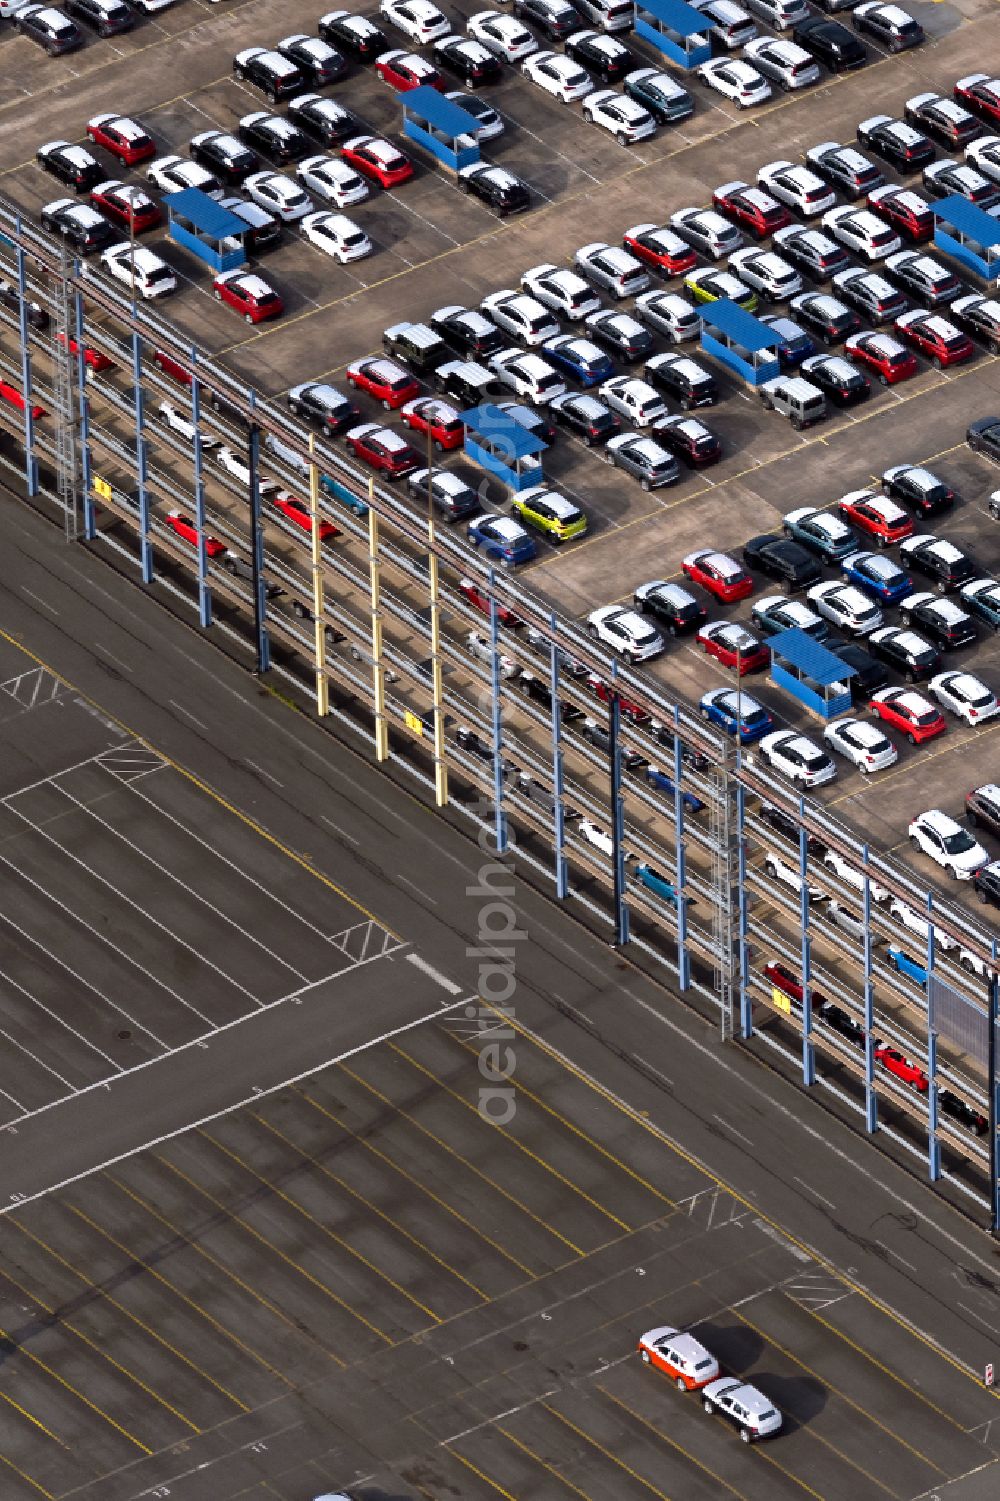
[(550, 513), (708, 285)]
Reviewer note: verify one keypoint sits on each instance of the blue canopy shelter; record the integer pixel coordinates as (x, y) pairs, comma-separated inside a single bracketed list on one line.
[(497, 441), (970, 234), (441, 126), (740, 341), (677, 30), (211, 233), (810, 672)]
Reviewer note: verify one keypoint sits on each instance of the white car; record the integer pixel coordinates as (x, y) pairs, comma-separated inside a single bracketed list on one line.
[(558, 75), (152, 277), (234, 463), (172, 174), (635, 400), (521, 316), (481, 649), (680, 1355), (846, 606), (332, 180), (965, 695), (766, 272), (861, 743), (735, 80), (279, 195), (863, 232), (183, 425), (596, 836), (625, 118), (779, 869), (798, 758), (984, 155), (916, 923), (418, 19), (528, 375), (612, 268), (947, 842), (669, 313), (852, 877), (707, 230), (754, 1414), (562, 290), (488, 122), (798, 186), (336, 235), (626, 632), (502, 35)]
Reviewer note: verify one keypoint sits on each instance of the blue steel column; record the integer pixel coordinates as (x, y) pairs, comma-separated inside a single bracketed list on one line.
[(617, 814), (562, 874), (933, 1145), (680, 877), (204, 592), (500, 824), (86, 467), (746, 1000), (145, 546), (871, 1098), (257, 549), (30, 461), (808, 1051)]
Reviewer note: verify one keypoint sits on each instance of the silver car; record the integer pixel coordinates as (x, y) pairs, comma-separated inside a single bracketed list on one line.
[(785, 63)]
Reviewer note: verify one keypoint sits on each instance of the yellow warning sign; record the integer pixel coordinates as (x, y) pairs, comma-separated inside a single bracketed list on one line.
[(413, 722), (781, 1001), (100, 487)]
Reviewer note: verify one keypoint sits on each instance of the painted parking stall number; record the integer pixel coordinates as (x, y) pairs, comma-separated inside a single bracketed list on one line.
[(988, 1376)]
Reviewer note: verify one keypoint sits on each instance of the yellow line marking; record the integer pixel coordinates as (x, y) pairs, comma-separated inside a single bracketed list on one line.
[(342, 1183), (543, 1462), (762, 1454), (30, 1416), (405, 1115), (588, 1438), (665, 1438), (25, 1476), (494, 1484), (812, 1433), (567, 1182)]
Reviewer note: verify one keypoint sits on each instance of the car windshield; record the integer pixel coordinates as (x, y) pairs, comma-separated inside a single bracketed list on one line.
[(927, 717), (959, 842)]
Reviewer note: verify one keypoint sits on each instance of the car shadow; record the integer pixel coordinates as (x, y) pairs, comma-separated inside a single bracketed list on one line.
[(799, 1399), (735, 1346)]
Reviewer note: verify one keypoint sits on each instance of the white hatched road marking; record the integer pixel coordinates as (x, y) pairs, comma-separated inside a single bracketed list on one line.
[(35, 688), (365, 940)]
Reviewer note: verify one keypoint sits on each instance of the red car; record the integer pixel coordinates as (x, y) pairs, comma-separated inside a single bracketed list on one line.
[(910, 712), (476, 597), (628, 710), (877, 515), (887, 357), (383, 449), (751, 208), (909, 214), (92, 358), (897, 1063), (427, 415), (378, 160), (387, 382), (170, 367), (935, 337), (782, 978), (407, 70), (981, 94), (661, 248), (249, 294), (720, 574), (12, 395), (124, 137), (127, 205), (296, 510), (184, 527), (731, 643)]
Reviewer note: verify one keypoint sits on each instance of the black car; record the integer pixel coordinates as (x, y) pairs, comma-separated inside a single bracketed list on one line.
[(945, 622), (840, 381), (940, 561), (317, 60), (622, 334), (468, 330), (894, 28), (536, 423), (680, 376), (420, 347), (81, 225), (324, 119), (224, 155), (72, 165), (845, 167), (897, 142), (948, 177), (961, 1111), (274, 135), (979, 316), (843, 1022), (323, 404), (689, 439), (359, 37), (107, 17), (986, 883), (556, 19), (265, 69), (831, 320), (500, 189), (603, 55), (36, 315), (869, 675), (928, 282), (671, 606), (782, 558), (982, 807), (263, 229), (587, 416), (50, 28), (666, 101), (476, 745), (830, 43), (783, 823), (983, 436), (945, 119), (905, 650), (469, 59), (451, 496), (918, 489), (466, 382), (811, 250)]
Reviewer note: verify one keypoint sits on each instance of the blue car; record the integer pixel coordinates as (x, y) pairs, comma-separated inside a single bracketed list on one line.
[(878, 576), (732, 712), (795, 345), (583, 361), (904, 965), (663, 783), (502, 538), (656, 883), (343, 496)]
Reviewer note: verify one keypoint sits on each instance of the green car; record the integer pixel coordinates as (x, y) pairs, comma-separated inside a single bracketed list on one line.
[(982, 597), (550, 513), (822, 532)]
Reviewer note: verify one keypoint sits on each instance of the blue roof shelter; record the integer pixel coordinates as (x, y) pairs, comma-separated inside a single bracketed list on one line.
[(211, 233), (810, 672), (677, 30), (497, 441), (441, 127), (967, 232), (734, 336)]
